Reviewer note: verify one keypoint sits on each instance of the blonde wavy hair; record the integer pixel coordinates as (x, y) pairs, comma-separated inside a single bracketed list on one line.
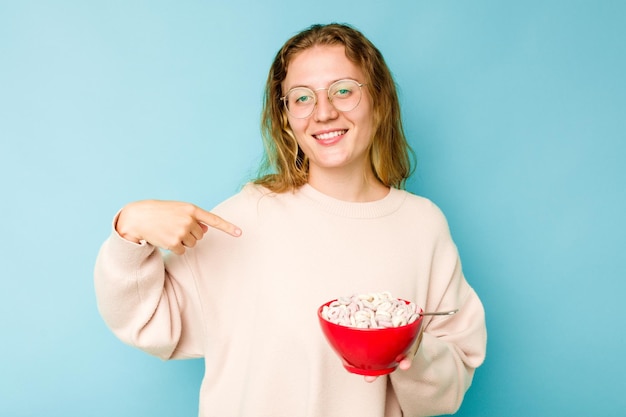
[(285, 167)]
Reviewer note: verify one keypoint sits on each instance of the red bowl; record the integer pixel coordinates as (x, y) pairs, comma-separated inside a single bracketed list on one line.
[(370, 351)]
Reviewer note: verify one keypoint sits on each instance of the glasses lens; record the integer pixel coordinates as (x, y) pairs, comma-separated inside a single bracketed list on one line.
[(345, 94), (300, 102)]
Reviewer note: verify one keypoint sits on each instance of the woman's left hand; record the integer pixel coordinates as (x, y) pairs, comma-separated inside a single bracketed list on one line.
[(405, 363)]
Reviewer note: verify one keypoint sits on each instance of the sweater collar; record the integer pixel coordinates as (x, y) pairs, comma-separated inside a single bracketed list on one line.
[(367, 210)]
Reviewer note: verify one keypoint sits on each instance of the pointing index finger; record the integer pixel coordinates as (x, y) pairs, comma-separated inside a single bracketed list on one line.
[(216, 222)]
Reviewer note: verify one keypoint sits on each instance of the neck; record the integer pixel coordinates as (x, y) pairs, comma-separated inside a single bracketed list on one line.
[(353, 188)]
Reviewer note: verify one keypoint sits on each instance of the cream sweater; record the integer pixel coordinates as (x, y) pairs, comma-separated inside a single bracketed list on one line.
[(248, 305)]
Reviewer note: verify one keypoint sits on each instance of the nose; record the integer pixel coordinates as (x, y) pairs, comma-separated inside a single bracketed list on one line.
[(324, 109)]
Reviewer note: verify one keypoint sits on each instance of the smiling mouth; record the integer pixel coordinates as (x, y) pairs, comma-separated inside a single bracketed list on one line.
[(330, 135)]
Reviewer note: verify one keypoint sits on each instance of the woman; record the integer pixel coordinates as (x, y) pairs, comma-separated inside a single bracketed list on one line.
[(328, 217)]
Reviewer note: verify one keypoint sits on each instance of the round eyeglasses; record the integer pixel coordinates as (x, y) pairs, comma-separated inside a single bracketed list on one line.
[(344, 95)]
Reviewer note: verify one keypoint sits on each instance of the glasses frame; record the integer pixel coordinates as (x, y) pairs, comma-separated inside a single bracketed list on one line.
[(330, 99)]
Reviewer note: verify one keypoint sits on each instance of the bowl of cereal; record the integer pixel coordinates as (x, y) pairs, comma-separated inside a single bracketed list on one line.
[(371, 333)]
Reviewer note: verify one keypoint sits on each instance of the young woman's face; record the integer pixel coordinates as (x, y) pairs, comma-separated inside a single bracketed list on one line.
[(331, 139)]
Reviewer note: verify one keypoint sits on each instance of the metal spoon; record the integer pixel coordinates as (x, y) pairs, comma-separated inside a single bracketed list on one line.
[(439, 313)]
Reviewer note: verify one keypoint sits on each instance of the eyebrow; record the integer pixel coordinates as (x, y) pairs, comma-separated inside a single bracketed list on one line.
[(321, 88)]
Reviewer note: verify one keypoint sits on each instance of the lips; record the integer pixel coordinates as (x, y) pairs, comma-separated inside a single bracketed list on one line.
[(329, 135)]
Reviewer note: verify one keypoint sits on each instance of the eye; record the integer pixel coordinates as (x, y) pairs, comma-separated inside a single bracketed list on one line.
[(300, 97), (343, 90), (303, 99)]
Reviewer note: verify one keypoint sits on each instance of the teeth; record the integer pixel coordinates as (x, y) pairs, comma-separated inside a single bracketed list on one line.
[(330, 135)]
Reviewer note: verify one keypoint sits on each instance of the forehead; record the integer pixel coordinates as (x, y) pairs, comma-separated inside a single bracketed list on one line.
[(319, 66)]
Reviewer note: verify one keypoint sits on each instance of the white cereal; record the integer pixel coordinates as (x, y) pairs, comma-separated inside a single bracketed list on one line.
[(367, 311)]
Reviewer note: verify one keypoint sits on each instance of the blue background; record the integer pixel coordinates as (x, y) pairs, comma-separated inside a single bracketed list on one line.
[(517, 112)]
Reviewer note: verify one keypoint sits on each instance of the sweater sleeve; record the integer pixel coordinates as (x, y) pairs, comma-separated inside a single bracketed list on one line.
[(143, 304), (452, 347)]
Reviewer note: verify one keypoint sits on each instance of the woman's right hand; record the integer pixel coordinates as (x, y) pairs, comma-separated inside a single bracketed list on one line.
[(170, 225)]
